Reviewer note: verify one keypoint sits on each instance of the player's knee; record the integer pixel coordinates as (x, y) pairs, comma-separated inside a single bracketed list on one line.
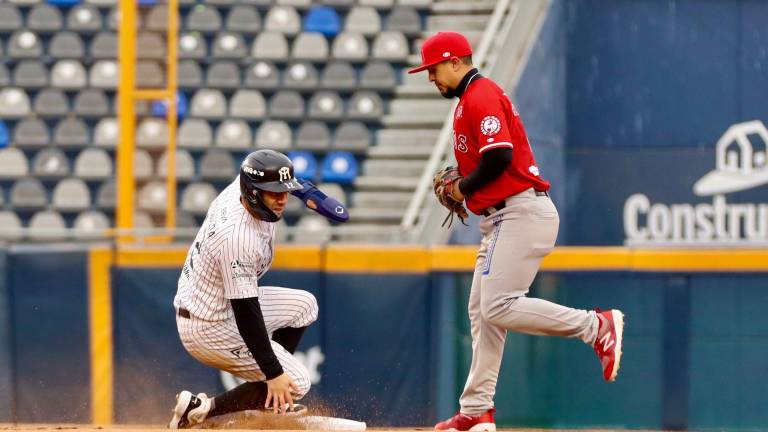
[(492, 311), (302, 380), (312, 308)]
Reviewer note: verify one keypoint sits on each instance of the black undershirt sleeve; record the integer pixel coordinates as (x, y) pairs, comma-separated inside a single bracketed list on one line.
[(250, 324), (491, 166)]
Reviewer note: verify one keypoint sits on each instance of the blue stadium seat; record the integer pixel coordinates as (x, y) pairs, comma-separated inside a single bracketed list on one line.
[(68, 3), (322, 19), (159, 108), (339, 167), (304, 164), (3, 135)]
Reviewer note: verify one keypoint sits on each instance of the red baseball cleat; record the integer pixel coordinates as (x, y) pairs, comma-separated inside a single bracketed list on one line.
[(608, 343), (463, 422)]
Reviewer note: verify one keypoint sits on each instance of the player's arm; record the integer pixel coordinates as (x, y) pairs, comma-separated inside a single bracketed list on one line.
[(318, 201), (492, 164)]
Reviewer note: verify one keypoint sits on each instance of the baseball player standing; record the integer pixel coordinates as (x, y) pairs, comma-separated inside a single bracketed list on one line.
[(498, 178), (224, 317)]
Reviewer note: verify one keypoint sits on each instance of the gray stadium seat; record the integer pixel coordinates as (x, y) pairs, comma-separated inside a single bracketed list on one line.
[(274, 134), (282, 19), (84, 18), (66, 45), (203, 19), (243, 19), (404, 20), (47, 225), (91, 103), (192, 46), (90, 225), (378, 4), (13, 163), (157, 18), (310, 46), (24, 2), (10, 226), (51, 102), (223, 74), (71, 132), (420, 4), (113, 17), (189, 74), (301, 75), (93, 164), (149, 74), (14, 103), (143, 168), (298, 4), (104, 74), (233, 134), (185, 220), (102, 3), (152, 197), (10, 18), (363, 19), (352, 136), (31, 132), (68, 74), (142, 220), (217, 165), (326, 105), (197, 197), (106, 195), (229, 45), (208, 103), (312, 229), (286, 104), (28, 193), (5, 76), (339, 76), (105, 132), (30, 74), (247, 104), (104, 45), (185, 165), (152, 133), (338, 3), (350, 46), (45, 18), (378, 76), (391, 45), (334, 190), (270, 46), (24, 44), (313, 135), (365, 105), (195, 134), (50, 163), (71, 194), (262, 75), (150, 46)]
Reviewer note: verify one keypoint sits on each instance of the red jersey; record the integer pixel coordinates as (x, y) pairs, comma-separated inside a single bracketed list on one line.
[(486, 119)]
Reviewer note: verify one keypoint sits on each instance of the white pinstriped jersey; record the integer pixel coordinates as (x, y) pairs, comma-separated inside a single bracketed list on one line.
[(230, 252)]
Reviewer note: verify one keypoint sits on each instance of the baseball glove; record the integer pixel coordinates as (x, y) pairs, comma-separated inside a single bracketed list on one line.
[(444, 182)]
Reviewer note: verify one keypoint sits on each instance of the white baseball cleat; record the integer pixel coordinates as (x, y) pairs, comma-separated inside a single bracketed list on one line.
[(189, 410)]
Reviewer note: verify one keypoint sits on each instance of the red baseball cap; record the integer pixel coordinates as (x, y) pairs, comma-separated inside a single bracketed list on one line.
[(442, 47)]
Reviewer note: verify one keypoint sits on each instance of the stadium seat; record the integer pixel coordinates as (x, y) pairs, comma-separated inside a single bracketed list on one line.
[(352, 136), (197, 197), (149, 74), (93, 164), (13, 163), (14, 103), (326, 105), (143, 168), (338, 3), (217, 165), (185, 165), (5, 76), (364, 20), (189, 74), (91, 103), (113, 17), (103, 74), (313, 135), (47, 225), (229, 45), (312, 229), (322, 19), (195, 134), (10, 18), (310, 46), (192, 46), (160, 107), (244, 19), (63, 3), (106, 195), (225, 3), (71, 132), (233, 134), (142, 220), (203, 19), (262, 75), (150, 46), (298, 4), (287, 104), (102, 3), (378, 4), (350, 46), (304, 164), (152, 197), (84, 19), (207, 103), (405, 20), (90, 224), (71, 194), (157, 19), (391, 46), (31, 132), (28, 194), (223, 74), (274, 134), (10, 226), (378, 76), (5, 137), (420, 4), (24, 44), (44, 18), (301, 75), (105, 132), (270, 46), (247, 104), (51, 102), (365, 105), (66, 45), (104, 45), (339, 167), (68, 74), (282, 19), (24, 2), (30, 74), (152, 133), (333, 190), (185, 220)]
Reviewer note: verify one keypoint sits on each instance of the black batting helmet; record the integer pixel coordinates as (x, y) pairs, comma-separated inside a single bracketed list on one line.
[(266, 170)]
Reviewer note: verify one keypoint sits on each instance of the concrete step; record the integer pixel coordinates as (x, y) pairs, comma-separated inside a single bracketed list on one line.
[(420, 106), (364, 232), (385, 183), (406, 137), (376, 215), (463, 7), (398, 200), (421, 152), (466, 23), (413, 121), (384, 167)]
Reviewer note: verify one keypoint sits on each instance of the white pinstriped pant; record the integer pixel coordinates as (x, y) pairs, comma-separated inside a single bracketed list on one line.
[(219, 344)]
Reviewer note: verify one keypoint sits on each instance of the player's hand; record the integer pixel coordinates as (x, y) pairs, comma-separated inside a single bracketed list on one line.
[(280, 392)]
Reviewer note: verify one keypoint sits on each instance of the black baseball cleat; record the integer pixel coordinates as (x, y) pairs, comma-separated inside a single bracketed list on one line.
[(189, 410)]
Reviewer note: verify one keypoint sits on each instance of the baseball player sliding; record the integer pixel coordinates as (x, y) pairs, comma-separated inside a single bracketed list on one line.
[(225, 319), (498, 178)]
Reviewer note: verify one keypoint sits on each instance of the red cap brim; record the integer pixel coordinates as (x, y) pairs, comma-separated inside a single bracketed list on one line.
[(423, 67)]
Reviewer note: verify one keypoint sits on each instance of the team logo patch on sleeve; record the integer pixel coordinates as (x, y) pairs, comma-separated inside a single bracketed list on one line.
[(490, 125)]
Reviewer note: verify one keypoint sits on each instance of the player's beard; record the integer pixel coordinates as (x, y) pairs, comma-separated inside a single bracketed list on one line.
[(449, 93)]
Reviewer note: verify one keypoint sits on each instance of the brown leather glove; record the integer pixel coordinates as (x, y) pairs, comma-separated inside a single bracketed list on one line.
[(444, 182)]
